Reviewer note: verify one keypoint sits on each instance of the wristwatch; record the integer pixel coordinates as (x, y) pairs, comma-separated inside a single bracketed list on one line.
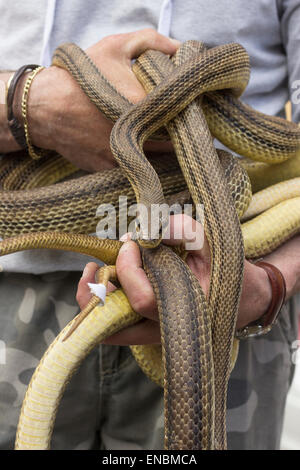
[(264, 324)]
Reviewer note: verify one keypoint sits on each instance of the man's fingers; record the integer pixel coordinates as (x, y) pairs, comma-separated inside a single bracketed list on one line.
[(140, 41), (83, 292), (128, 46), (113, 55), (134, 280)]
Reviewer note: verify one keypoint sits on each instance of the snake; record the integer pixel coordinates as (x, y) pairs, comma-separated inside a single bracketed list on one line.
[(197, 332)]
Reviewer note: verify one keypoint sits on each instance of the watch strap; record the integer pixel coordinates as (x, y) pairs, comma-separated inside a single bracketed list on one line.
[(264, 324), (15, 126)]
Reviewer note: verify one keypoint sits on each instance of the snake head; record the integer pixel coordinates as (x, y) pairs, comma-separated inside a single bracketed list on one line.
[(151, 225)]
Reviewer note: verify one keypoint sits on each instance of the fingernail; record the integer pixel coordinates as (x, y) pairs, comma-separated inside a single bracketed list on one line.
[(126, 237)]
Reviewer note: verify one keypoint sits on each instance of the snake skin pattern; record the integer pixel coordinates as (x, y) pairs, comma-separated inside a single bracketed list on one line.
[(197, 353)]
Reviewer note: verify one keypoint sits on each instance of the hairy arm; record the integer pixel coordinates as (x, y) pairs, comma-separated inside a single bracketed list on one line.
[(62, 118)]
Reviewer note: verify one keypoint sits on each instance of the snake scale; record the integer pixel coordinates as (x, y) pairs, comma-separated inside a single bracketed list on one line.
[(197, 333)]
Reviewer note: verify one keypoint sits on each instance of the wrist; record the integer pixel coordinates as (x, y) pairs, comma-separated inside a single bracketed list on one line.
[(44, 106), (35, 107), (256, 295), (264, 324)]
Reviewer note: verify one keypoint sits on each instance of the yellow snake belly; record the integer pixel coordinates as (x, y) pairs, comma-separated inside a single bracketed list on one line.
[(223, 67)]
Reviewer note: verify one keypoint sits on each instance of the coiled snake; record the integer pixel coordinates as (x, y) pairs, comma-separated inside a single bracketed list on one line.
[(197, 333)]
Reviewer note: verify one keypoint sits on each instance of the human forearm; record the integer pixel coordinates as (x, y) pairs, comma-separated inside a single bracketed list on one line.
[(62, 118), (257, 293)]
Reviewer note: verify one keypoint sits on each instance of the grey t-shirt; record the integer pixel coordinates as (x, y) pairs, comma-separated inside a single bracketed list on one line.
[(268, 29)]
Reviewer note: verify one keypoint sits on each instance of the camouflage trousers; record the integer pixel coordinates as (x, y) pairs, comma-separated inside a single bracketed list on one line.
[(109, 403)]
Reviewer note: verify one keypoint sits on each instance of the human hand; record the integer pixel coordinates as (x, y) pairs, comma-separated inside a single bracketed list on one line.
[(62, 118), (256, 290)]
